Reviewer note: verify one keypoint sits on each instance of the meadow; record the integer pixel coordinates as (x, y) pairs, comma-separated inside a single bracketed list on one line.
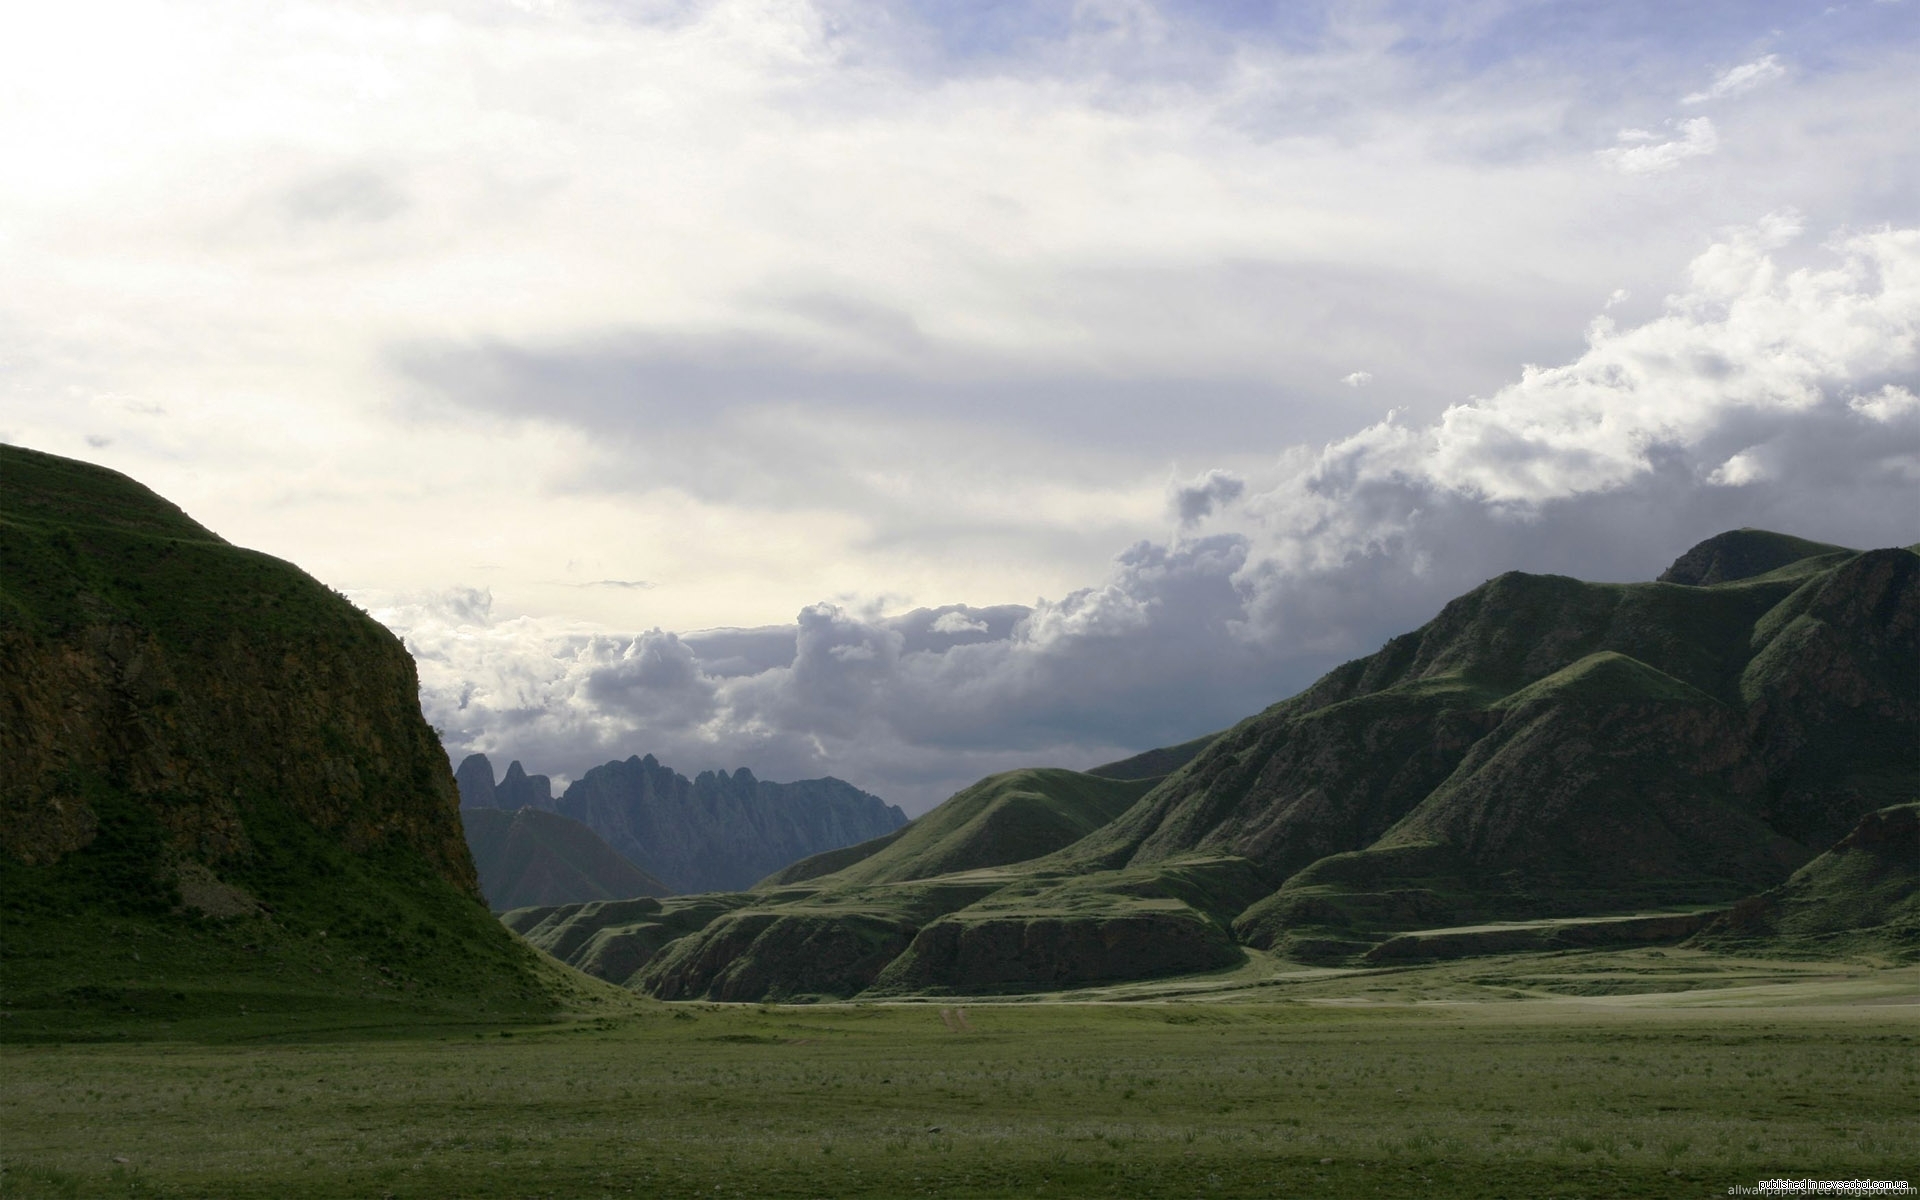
[(1532, 1076)]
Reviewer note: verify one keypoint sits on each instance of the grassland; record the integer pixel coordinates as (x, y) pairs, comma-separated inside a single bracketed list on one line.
[(1642, 1073)]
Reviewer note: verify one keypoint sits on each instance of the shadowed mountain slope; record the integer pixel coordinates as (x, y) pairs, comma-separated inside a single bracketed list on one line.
[(207, 755), (1547, 745), (530, 857)]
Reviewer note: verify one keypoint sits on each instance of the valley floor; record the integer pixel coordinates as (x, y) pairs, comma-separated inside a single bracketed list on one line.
[(1591, 1074)]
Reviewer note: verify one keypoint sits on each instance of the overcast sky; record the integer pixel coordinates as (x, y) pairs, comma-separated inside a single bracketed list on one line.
[(910, 391)]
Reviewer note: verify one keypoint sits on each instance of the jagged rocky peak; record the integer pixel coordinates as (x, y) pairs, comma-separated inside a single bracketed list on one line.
[(720, 831), (517, 789), (475, 780)]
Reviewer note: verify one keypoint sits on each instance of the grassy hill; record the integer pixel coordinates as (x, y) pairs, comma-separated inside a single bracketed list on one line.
[(530, 856), (1547, 763), (1862, 896), (220, 800), (1007, 818)]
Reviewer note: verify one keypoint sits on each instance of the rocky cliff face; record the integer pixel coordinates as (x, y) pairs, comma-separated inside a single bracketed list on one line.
[(141, 653)]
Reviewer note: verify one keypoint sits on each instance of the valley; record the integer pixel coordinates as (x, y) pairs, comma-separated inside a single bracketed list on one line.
[(1579, 889)]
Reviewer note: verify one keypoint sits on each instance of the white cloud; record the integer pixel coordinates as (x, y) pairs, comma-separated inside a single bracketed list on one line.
[(1887, 405), (1746, 467), (1641, 152), (1759, 396), (1737, 80), (1357, 379), (958, 622)]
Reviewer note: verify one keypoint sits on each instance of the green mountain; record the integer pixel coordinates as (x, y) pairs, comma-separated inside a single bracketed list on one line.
[(220, 799), (1006, 818), (529, 857), (1599, 761)]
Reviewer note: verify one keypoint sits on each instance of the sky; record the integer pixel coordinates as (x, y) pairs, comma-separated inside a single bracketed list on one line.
[(910, 391)]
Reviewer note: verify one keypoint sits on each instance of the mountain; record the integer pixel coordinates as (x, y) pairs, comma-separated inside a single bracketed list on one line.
[(720, 831), (216, 788), (1610, 761), (528, 857)]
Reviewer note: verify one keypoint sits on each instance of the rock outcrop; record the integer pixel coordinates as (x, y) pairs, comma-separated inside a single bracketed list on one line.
[(204, 749)]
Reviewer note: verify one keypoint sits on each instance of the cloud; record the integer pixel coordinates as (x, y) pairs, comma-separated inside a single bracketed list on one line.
[(1890, 404), (1193, 501), (1643, 153), (1735, 81), (958, 623), (1357, 379), (1759, 395)]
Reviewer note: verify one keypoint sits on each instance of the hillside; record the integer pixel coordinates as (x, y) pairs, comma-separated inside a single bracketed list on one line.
[(219, 792), (1006, 818), (1604, 761), (528, 857), (1862, 895)]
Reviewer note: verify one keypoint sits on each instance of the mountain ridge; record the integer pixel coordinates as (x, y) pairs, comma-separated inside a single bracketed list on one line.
[(1543, 747), (719, 831)]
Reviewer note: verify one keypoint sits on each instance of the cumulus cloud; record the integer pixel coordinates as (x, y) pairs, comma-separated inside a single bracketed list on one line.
[(1642, 152), (1199, 498), (1357, 379), (1735, 80), (1758, 396)]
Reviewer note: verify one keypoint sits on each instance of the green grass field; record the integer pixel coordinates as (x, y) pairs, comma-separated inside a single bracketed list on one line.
[(1604, 1078)]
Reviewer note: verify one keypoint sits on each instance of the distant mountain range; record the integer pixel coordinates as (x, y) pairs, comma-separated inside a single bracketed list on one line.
[(1617, 761), (719, 831), (530, 856)]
